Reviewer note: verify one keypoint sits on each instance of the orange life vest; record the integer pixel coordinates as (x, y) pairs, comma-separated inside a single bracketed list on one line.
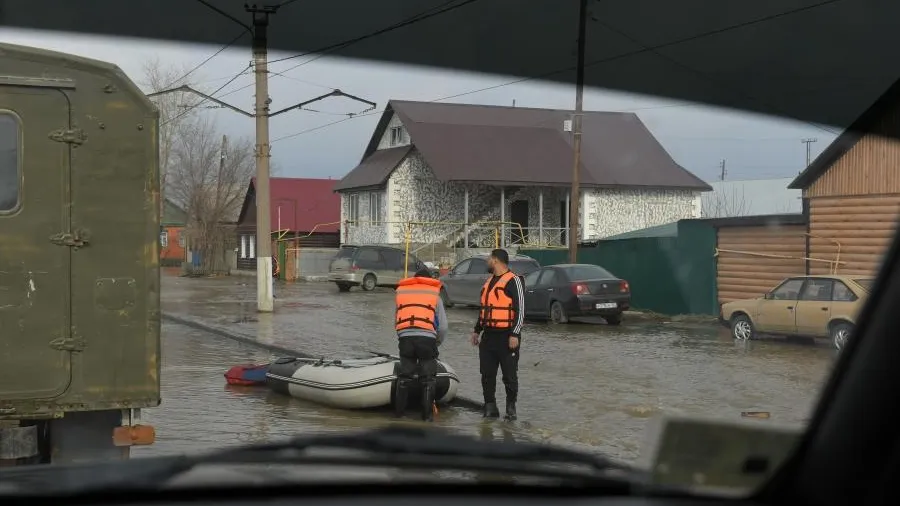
[(496, 306), (417, 299)]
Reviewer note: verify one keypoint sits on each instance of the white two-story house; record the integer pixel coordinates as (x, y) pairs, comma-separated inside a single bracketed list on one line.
[(474, 175)]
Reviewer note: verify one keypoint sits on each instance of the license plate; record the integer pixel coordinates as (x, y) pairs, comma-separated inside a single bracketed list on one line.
[(607, 305)]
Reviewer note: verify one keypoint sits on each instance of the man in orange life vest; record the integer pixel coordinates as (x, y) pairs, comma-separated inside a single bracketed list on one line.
[(421, 325), (497, 333)]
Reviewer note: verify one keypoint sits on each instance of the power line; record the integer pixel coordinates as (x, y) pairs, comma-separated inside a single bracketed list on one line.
[(204, 62), (608, 59), (434, 11), (198, 104), (414, 19), (697, 72)]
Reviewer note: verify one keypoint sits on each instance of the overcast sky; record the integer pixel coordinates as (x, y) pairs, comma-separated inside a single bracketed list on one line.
[(304, 145)]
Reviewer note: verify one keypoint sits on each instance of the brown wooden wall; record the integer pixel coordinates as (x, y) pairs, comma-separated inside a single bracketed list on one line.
[(744, 276), (863, 225), (870, 167)]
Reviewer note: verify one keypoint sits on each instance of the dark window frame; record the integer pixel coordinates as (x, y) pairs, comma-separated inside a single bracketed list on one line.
[(17, 123)]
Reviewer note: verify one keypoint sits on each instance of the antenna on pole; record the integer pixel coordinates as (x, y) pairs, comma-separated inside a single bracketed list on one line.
[(808, 143)]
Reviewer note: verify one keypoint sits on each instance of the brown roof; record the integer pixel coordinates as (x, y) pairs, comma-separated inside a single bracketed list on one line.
[(866, 123), (374, 170), (516, 145)]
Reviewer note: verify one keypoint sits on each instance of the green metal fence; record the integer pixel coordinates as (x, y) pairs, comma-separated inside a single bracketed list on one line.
[(672, 274)]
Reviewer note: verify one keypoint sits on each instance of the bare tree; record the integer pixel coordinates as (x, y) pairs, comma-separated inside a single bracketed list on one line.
[(175, 109), (723, 204), (209, 173)]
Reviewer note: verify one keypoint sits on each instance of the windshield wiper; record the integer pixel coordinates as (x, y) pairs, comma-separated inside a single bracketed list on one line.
[(408, 448), (431, 448), (422, 441)]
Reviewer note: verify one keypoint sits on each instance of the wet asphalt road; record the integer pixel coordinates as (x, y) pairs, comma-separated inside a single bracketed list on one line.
[(581, 384)]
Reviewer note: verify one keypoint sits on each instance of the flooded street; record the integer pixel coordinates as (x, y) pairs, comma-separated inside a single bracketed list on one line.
[(582, 384)]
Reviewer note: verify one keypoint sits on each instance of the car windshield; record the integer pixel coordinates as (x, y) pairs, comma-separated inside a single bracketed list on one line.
[(216, 239), (587, 272)]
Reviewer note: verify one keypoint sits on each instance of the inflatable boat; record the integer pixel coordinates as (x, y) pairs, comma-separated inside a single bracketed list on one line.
[(351, 384)]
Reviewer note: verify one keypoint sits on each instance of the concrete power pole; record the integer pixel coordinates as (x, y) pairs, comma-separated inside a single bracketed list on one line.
[(808, 143), (575, 199), (264, 299), (261, 115)]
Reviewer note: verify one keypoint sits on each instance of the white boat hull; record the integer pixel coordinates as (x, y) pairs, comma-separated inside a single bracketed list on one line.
[(350, 384)]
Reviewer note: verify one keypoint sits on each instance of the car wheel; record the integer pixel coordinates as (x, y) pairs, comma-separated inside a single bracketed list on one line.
[(446, 298), (369, 282), (840, 334), (741, 328), (613, 319), (343, 287), (558, 313)]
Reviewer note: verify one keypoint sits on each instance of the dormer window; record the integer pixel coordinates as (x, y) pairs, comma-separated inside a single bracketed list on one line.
[(398, 136)]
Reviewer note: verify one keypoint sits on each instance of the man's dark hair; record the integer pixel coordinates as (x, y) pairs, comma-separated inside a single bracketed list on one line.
[(501, 255), (423, 272)]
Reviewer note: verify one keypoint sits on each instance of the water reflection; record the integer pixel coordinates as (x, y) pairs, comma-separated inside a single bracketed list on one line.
[(586, 383)]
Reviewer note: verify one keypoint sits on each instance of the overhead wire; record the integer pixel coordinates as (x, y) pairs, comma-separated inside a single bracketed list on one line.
[(644, 49), (426, 14), (207, 60), (190, 108)]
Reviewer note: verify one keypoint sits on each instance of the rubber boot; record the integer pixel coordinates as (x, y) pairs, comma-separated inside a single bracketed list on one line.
[(401, 398), (511, 410), (490, 410), (428, 391)]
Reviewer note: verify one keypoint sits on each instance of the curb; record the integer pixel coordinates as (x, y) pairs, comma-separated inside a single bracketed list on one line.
[(459, 401)]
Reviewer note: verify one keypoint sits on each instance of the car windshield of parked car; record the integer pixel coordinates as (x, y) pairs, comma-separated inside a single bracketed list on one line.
[(586, 272)]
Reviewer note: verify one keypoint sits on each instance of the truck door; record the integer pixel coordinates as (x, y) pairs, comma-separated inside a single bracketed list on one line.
[(35, 198)]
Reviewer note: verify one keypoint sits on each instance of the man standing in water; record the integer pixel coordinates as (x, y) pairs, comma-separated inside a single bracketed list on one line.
[(421, 325), (497, 333)]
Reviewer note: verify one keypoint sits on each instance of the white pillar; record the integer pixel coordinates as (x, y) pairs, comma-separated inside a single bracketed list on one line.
[(502, 214), (541, 216), (466, 217), (567, 217)]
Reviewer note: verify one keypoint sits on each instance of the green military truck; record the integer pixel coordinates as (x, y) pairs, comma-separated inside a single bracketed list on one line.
[(79, 259)]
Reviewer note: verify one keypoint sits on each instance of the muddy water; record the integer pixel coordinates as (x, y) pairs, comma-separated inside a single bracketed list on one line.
[(585, 384)]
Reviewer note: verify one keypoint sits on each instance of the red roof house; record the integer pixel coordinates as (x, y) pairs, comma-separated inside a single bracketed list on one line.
[(307, 210)]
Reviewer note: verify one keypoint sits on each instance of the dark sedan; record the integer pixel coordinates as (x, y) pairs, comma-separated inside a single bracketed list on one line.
[(559, 292)]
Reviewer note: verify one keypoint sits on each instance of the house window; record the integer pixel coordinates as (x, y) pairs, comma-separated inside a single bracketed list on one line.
[(375, 207), (252, 249), (164, 239), (244, 243), (398, 136), (354, 208), (9, 163), (181, 239)]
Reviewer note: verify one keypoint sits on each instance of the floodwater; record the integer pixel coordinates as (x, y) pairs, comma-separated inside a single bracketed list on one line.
[(580, 384)]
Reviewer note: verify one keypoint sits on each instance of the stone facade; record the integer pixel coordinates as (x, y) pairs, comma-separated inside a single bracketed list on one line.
[(436, 209)]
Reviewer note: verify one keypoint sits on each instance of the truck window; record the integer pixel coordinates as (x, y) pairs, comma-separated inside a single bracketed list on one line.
[(9, 163)]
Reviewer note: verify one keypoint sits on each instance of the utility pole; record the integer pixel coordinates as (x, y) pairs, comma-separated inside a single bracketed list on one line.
[(722, 170), (222, 155), (808, 143), (261, 114), (264, 300), (575, 199)]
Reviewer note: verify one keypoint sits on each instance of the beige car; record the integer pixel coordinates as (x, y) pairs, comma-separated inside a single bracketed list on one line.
[(812, 306)]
